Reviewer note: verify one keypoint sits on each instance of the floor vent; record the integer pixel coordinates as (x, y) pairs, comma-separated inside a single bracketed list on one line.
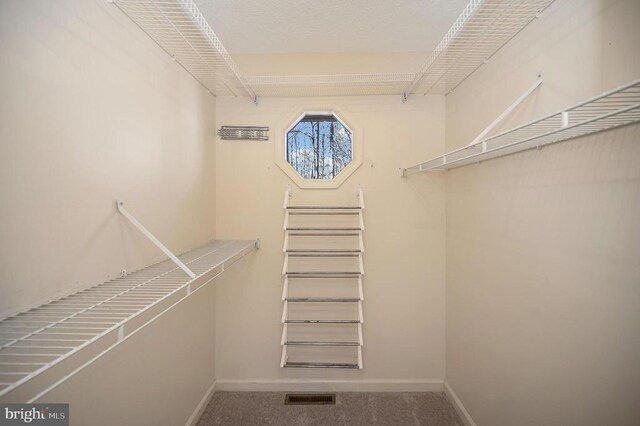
[(310, 399)]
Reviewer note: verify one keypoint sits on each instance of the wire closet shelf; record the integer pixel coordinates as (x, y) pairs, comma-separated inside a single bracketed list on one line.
[(51, 337), (483, 27), (179, 28), (330, 85), (618, 107)]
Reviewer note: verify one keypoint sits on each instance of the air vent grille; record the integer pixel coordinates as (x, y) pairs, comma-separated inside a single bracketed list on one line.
[(310, 399)]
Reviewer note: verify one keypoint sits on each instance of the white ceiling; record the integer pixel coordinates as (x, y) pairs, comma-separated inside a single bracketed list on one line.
[(327, 26)]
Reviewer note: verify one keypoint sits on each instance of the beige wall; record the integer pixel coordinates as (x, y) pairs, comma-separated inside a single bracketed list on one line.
[(543, 282), (92, 110), (404, 240)]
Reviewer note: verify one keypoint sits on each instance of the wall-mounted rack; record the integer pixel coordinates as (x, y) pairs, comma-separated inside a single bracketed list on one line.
[(179, 28), (617, 107), (243, 133), (345, 243), (483, 27), (330, 85), (54, 337), (44, 346)]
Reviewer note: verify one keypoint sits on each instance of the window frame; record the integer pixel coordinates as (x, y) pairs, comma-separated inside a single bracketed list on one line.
[(343, 175)]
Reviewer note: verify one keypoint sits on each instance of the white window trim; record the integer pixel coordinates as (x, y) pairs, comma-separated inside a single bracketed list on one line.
[(356, 151)]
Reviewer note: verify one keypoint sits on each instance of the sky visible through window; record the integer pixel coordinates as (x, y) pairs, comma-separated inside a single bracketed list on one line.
[(319, 147)]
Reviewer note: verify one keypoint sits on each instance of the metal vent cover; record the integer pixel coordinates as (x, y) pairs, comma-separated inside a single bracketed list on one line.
[(249, 133), (310, 399)]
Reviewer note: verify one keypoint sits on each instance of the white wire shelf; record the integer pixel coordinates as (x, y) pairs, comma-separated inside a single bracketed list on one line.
[(479, 32), (52, 337), (618, 107), (483, 27), (330, 85), (182, 31)]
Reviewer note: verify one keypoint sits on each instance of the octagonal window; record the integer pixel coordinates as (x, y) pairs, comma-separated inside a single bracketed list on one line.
[(319, 146)]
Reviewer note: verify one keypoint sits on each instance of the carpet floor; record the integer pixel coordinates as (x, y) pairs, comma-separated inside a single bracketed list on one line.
[(351, 409)]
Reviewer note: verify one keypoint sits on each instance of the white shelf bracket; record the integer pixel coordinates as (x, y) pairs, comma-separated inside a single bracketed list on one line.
[(480, 139), (287, 196), (285, 266), (504, 114), (285, 288), (360, 195), (153, 239), (283, 360)]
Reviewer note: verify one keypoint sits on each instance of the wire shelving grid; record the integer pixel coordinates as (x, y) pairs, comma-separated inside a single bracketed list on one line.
[(179, 28), (483, 27), (37, 340), (617, 107)]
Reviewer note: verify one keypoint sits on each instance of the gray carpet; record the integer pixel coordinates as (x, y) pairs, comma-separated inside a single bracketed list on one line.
[(351, 409)]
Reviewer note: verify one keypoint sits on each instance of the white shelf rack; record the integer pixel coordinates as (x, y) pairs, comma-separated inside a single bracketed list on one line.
[(617, 107), (41, 347), (330, 85), (352, 274), (179, 28), (483, 27)]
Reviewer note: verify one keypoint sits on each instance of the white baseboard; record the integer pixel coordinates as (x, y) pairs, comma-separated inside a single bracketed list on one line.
[(300, 385), (195, 416), (457, 404)]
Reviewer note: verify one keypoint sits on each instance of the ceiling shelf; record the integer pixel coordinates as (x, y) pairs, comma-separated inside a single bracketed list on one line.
[(618, 107), (330, 85), (179, 28), (483, 27), (479, 32)]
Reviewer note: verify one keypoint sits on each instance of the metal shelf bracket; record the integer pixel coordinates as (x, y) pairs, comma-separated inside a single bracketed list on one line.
[(153, 239)]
